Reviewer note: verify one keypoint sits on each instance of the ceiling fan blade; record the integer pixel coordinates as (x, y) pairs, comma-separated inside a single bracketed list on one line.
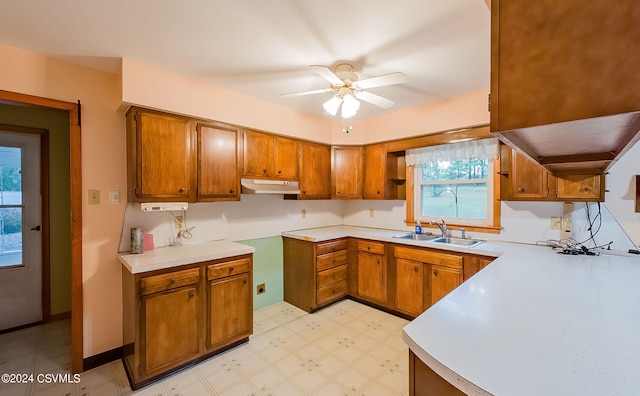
[(317, 91), (327, 74), (379, 81), (375, 99)]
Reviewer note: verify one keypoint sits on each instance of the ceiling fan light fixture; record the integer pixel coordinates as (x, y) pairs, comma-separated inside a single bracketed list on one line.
[(350, 106), (331, 106)]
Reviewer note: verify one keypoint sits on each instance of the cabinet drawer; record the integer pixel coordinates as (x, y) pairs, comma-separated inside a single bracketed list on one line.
[(332, 291), (426, 256), (172, 280), (228, 268), (331, 275), (331, 260), (371, 247), (331, 246)]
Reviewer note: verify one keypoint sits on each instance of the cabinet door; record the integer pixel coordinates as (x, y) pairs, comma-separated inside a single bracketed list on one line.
[(580, 188), (169, 327), (529, 181), (258, 156), (410, 286), (372, 277), (315, 171), (218, 163), (230, 315), (346, 172), (165, 157), (286, 166), (443, 280), (375, 158)]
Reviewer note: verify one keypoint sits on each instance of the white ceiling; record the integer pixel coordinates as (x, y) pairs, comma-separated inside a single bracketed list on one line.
[(262, 48)]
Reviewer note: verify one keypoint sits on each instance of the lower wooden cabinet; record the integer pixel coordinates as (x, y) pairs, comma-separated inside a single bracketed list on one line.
[(372, 271), (169, 322), (315, 274), (402, 279), (230, 303), (175, 317), (423, 277), (423, 381)]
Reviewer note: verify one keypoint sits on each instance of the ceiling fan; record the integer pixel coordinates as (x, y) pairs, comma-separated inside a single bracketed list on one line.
[(349, 88)]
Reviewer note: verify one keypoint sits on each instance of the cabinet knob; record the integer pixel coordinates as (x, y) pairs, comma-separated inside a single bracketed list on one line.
[(304, 192), (264, 170), (230, 269), (172, 281), (415, 269), (586, 189), (191, 294), (520, 189), (279, 171), (232, 191), (181, 190)]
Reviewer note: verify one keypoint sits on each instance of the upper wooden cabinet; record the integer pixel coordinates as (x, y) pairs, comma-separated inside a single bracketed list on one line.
[(315, 171), (375, 171), (218, 163), (346, 172), (564, 78), (384, 173), (523, 180), (269, 156), (161, 157)]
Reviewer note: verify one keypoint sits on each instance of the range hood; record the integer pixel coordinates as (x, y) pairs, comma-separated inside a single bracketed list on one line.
[(258, 186)]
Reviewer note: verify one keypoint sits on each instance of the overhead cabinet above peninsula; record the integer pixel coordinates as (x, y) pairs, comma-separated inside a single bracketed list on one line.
[(564, 81)]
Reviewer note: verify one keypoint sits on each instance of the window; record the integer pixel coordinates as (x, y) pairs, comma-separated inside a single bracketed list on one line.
[(455, 182), (10, 206), (454, 190)]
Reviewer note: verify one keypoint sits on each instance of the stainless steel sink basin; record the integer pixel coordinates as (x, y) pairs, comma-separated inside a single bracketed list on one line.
[(417, 237), (468, 242)]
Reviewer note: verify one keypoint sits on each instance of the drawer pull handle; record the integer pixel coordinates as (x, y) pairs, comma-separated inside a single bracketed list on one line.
[(231, 269)]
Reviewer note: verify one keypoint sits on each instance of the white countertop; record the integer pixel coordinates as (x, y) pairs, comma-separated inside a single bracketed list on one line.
[(173, 256), (326, 233), (534, 322), (537, 323)]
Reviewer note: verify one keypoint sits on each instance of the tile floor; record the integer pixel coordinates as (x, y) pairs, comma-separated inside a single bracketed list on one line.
[(345, 349)]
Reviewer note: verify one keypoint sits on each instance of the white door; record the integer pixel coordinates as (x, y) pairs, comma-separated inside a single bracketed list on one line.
[(20, 230)]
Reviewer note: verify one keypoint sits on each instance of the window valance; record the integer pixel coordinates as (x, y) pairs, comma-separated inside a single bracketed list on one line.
[(483, 148)]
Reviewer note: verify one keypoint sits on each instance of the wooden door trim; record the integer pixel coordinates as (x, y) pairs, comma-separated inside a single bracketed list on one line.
[(76, 211)]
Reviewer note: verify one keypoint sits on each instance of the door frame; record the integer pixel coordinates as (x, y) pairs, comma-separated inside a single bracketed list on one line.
[(75, 162)]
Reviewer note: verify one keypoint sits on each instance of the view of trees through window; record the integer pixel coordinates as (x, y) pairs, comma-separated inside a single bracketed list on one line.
[(455, 189), (10, 206)]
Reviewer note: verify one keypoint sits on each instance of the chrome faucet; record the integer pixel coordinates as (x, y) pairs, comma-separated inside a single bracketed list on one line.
[(442, 227)]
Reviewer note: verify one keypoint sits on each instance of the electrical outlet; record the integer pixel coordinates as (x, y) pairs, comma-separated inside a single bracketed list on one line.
[(370, 212), (304, 213), (261, 288), (567, 223), (556, 223), (179, 221), (94, 197)]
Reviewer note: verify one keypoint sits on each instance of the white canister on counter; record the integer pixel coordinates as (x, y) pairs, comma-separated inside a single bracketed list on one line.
[(137, 241)]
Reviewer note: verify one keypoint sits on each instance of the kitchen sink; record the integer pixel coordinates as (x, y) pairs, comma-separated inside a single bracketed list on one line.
[(417, 237), (468, 242)]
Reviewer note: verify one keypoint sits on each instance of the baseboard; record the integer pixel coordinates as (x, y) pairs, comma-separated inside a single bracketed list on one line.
[(102, 358)]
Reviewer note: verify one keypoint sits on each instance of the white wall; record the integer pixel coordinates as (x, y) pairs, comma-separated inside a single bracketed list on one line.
[(255, 216)]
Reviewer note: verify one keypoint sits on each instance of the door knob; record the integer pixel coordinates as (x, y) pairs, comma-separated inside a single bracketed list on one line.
[(36, 228)]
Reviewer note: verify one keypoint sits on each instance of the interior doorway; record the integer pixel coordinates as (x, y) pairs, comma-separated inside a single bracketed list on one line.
[(72, 110), (21, 259)]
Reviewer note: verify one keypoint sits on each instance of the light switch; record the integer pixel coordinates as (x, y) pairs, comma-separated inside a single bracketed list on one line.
[(114, 197)]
